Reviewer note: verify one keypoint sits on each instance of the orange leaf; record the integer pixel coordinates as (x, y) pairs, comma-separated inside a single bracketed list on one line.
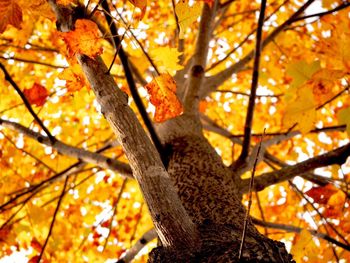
[(74, 77), (84, 39), (10, 13), (162, 91), (142, 4), (36, 95)]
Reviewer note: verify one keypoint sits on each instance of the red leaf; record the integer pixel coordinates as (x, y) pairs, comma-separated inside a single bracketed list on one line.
[(36, 245), (321, 194), (34, 259), (36, 95)]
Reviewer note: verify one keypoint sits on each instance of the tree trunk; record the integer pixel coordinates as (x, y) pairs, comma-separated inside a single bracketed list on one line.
[(209, 192)]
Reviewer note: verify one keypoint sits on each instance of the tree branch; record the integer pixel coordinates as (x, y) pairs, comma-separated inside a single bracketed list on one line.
[(216, 80), (255, 78), (34, 62), (135, 249), (53, 218), (295, 229), (26, 103), (199, 59), (319, 15), (173, 225), (86, 156), (336, 156), (131, 82)]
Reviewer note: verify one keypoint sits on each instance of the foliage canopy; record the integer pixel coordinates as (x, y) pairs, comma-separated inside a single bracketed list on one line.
[(72, 188)]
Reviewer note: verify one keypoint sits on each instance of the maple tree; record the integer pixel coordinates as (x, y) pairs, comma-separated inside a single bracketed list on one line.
[(218, 126)]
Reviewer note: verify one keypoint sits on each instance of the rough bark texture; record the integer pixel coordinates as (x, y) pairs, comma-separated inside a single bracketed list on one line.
[(209, 193)]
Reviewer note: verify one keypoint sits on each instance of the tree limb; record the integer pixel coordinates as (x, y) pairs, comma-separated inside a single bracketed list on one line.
[(295, 229), (135, 249), (131, 82), (251, 104), (26, 103), (214, 81), (199, 59), (84, 155), (336, 156)]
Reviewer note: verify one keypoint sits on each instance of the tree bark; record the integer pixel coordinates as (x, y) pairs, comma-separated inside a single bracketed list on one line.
[(210, 194)]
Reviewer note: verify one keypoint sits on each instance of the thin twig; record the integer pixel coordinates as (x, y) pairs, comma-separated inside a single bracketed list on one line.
[(27, 104), (115, 211), (116, 52), (251, 186), (34, 62), (53, 219), (338, 8), (150, 60)]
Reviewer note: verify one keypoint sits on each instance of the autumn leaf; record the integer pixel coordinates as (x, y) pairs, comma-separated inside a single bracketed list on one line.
[(10, 13), (321, 194), (36, 244), (142, 4), (166, 59), (343, 116), (162, 92), (301, 71), (75, 78), (300, 111), (304, 245), (186, 15), (84, 39), (36, 95)]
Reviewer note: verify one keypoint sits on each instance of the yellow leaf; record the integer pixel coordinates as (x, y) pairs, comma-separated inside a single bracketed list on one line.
[(10, 13), (166, 58), (301, 111), (301, 72), (162, 92), (344, 118), (304, 246), (186, 15)]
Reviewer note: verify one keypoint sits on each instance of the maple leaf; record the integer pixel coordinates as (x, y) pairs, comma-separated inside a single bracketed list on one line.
[(166, 58), (36, 95), (162, 91), (304, 245), (10, 13), (343, 116), (301, 71), (75, 78), (186, 15), (84, 39), (300, 110), (321, 194)]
